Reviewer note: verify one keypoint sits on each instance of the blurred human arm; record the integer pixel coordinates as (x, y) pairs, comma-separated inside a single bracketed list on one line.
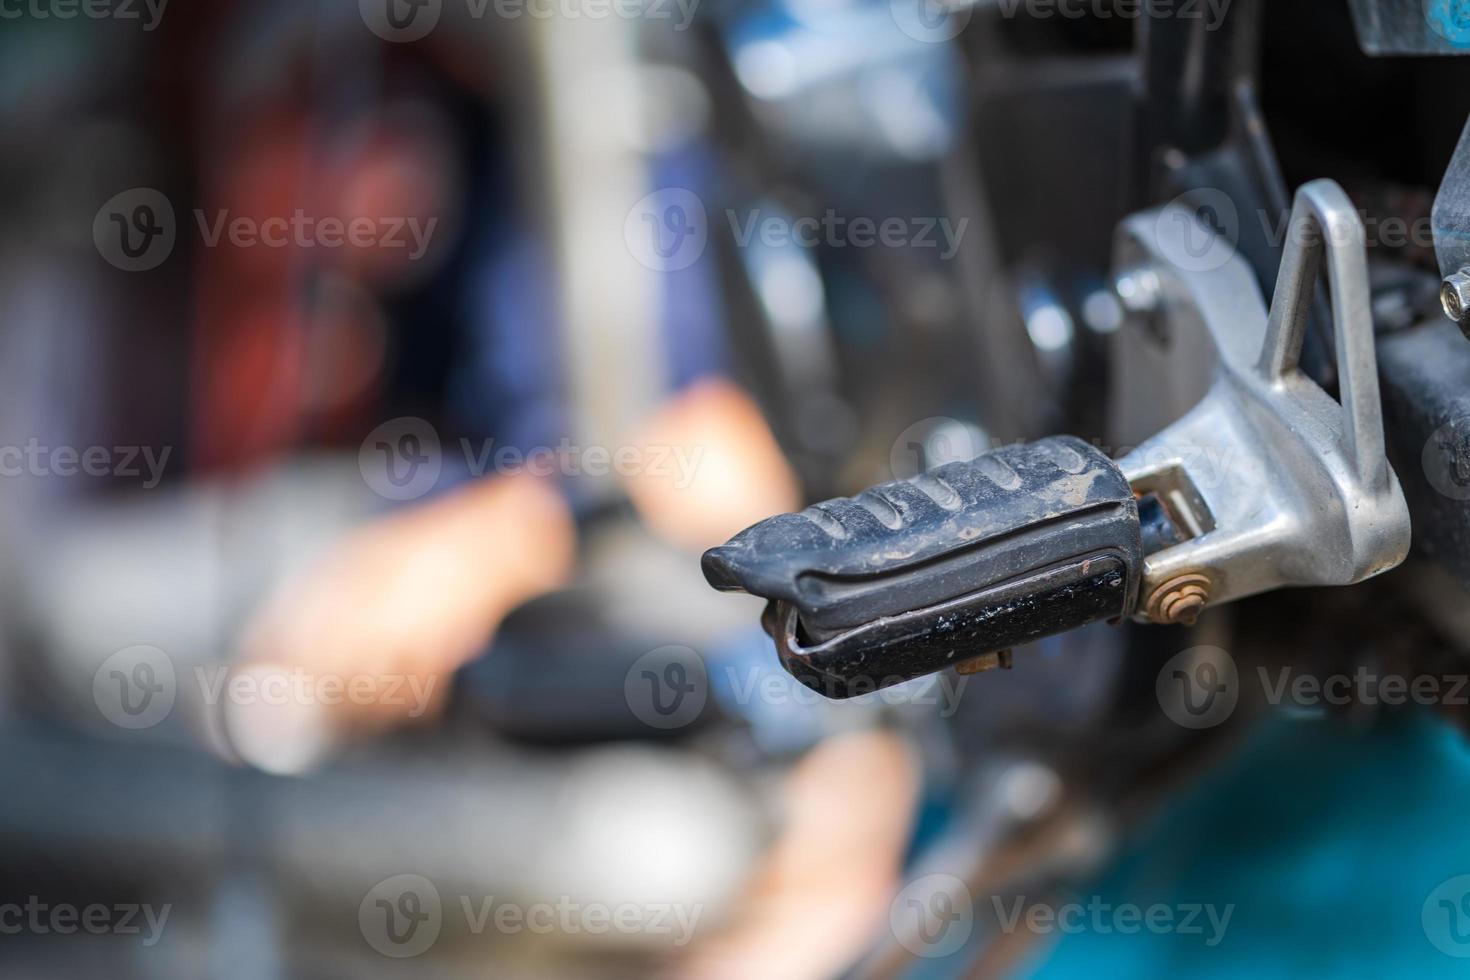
[(821, 894), (398, 605), (395, 608), (732, 472)]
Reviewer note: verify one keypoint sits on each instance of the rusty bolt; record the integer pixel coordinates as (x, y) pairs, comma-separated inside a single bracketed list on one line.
[(1179, 600), (1454, 296)]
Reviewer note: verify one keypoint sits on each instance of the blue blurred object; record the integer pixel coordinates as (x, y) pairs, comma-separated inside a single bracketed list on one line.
[(1336, 845)]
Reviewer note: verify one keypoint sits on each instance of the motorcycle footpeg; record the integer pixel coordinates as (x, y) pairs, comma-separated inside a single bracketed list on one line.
[(970, 559), (1266, 483)]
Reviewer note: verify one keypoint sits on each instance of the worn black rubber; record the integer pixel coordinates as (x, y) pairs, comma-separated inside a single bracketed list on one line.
[(913, 576)]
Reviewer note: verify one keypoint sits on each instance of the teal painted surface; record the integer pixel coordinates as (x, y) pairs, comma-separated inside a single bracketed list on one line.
[(1329, 841)]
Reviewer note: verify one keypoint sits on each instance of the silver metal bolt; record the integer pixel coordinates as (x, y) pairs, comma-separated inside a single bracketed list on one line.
[(1454, 296)]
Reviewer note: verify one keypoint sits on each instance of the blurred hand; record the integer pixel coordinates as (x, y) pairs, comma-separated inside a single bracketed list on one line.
[(394, 609), (726, 472), (822, 893)]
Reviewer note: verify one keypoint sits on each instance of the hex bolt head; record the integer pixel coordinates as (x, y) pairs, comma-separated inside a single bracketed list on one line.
[(1454, 296)]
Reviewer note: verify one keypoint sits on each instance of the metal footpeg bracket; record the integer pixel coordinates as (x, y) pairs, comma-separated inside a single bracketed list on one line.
[(1268, 481)]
